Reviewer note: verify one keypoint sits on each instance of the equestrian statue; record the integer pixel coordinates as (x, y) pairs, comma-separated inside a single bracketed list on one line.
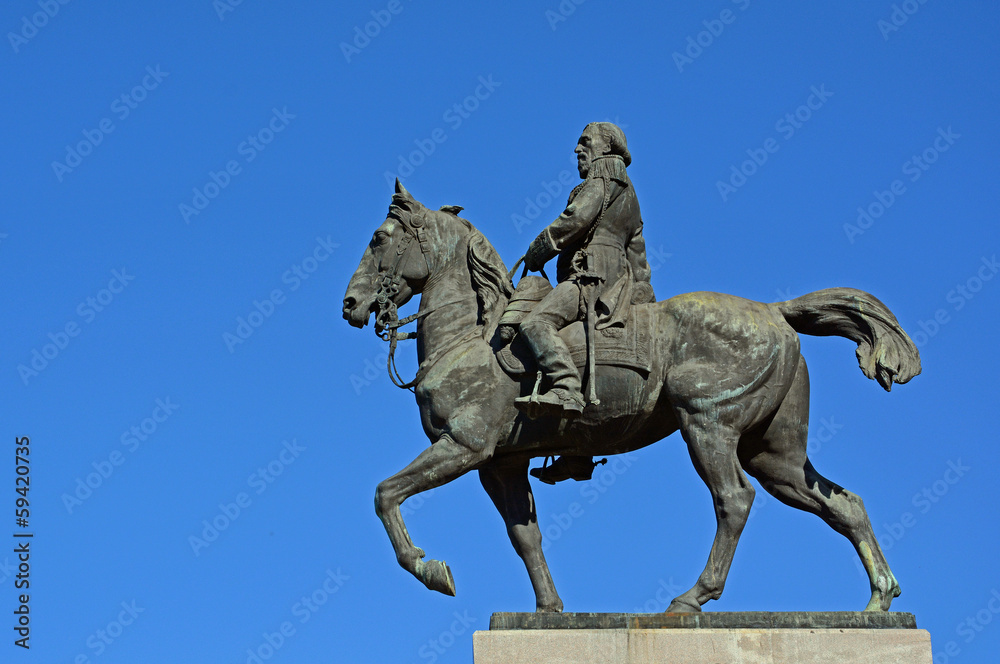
[(595, 366)]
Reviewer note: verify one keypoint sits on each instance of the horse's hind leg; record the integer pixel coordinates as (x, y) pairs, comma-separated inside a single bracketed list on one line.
[(508, 487), (777, 459), (438, 464), (713, 451)]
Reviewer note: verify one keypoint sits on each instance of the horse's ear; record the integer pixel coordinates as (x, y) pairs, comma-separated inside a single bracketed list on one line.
[(401, 190), (454, 209)]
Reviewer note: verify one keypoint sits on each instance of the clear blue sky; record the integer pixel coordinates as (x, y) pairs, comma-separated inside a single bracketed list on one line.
[(167, 166)]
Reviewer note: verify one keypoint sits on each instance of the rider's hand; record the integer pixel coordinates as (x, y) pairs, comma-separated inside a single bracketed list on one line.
[(539, 252)]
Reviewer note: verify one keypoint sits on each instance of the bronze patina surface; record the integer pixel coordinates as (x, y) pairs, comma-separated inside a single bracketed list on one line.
[(709, 620)]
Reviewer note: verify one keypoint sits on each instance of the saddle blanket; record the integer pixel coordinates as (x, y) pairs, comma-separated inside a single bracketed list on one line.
[(626, 346)]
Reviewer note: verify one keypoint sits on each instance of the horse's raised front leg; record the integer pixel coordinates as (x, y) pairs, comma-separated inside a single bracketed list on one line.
[(439, 464), (507, 485), (713, 451)]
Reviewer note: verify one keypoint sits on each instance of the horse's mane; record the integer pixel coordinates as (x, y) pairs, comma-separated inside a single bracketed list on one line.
[(489, 274), (489, 277)]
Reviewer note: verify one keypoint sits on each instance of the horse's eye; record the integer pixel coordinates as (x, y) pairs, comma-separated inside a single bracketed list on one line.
[(379, 238)]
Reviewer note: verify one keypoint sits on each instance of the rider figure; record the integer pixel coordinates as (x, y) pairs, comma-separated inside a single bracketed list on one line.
[(602, 264)]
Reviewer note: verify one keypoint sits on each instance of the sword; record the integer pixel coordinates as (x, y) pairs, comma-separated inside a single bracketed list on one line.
[(591, 342)]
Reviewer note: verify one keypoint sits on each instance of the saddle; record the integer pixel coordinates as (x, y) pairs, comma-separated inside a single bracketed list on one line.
[(626, 345)]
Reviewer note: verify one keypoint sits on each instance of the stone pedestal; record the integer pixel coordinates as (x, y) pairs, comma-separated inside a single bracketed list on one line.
[(705, 638)]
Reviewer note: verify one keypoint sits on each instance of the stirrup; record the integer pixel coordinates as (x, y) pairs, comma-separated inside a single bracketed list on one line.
[(556, 402)]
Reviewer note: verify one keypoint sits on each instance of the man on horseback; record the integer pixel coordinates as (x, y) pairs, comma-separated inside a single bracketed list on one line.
[(602, 270)]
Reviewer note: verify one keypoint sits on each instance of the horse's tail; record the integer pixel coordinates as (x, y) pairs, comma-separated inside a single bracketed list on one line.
[(885, 352)]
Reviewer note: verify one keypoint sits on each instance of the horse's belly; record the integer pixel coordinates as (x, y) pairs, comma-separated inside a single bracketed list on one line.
[(627, 401)]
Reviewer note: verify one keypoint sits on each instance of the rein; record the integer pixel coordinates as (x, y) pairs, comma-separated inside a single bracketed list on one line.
[(392, 335)]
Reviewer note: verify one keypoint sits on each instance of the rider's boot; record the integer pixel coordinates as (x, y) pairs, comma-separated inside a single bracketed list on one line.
[(564, 398)]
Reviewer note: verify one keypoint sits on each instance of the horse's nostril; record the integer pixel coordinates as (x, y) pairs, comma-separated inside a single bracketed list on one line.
[(349, 303)]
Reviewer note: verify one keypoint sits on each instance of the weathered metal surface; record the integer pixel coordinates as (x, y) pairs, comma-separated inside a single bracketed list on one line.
[(708, 620)]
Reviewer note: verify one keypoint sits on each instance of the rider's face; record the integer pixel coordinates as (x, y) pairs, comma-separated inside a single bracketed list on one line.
[(590, 145)]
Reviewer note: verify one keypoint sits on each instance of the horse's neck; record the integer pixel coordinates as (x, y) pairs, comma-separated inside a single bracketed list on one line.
[(449, 310)]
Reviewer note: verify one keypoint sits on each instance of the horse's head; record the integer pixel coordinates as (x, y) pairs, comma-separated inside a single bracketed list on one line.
[(411, 245), (395, 264)]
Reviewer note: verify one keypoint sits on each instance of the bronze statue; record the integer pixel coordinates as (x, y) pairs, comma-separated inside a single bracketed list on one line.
[(724, 371)]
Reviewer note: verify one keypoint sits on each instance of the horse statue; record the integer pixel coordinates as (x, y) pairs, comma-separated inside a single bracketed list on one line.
[(725, 371)]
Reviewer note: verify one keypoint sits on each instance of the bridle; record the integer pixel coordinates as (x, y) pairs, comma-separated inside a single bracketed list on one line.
[(387, 316), (388, 288)]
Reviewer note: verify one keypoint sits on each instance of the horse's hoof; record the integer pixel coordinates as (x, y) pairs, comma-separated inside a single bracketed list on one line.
[(551, 608), (436, 575), (683, 606), (875, 604), (880, 602)]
